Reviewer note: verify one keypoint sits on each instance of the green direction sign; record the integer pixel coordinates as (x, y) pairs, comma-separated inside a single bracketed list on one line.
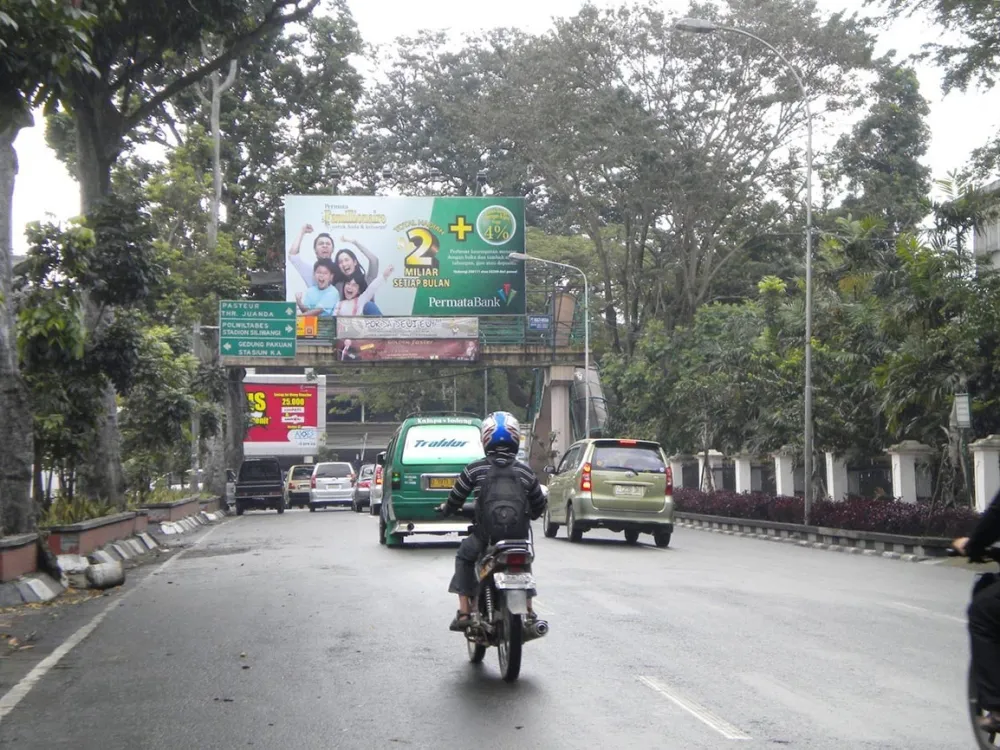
[(256, 329)]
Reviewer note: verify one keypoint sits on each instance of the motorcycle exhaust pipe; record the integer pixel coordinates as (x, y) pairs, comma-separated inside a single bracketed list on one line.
[(537, 629)]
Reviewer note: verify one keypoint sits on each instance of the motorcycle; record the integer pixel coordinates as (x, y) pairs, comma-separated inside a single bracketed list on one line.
[(984, 739), (505, 580)]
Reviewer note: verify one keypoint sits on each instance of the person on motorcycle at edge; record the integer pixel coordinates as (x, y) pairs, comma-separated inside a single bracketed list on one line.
[(984, 618), (501, 437)]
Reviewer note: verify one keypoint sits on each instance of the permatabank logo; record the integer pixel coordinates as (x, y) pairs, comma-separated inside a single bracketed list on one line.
[(506, 294)]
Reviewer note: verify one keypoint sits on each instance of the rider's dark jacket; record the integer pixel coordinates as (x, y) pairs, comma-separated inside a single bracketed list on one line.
[(472, 476), (987, 530)]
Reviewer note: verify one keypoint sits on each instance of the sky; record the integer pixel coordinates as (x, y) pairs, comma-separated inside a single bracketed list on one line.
[(959, 122)]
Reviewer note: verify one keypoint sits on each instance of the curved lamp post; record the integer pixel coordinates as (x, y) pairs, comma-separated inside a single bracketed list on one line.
[(704, 26)]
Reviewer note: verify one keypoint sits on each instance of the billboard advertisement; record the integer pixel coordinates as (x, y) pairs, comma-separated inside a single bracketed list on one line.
[(412, 350), (407, 328), (283, 416), (350, 256)]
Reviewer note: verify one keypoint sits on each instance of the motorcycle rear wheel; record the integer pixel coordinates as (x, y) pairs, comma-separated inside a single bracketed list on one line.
[(984, 740), (509, 642)]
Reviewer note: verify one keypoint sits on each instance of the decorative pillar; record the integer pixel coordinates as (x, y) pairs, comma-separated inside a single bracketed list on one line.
[(784, 471), (986, 469), (677, 467), (744, 472), (836, 477), (560, 377), (904, 468)]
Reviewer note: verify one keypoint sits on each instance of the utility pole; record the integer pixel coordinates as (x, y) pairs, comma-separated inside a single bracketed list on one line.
[(195, 416)]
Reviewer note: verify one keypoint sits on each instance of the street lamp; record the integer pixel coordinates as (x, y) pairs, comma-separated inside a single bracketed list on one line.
[(586, 329), (704, 26)]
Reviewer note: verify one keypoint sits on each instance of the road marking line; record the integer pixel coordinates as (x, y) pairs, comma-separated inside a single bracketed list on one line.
[(22, 688), (927, 612), (701, 713)]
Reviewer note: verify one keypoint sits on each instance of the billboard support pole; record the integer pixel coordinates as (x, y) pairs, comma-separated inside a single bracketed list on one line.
[(454, 394), (486, 391)]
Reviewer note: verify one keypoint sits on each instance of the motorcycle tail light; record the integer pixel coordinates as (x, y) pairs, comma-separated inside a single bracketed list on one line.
[(516, 558)]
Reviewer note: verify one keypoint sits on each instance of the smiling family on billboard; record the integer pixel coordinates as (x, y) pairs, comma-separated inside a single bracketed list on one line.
[(351, 256)]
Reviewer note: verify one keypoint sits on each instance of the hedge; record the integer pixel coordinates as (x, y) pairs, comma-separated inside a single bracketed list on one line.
[(854, 513)]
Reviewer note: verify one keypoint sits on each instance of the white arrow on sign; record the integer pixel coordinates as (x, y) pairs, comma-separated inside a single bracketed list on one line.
[(289, 310), (288, 329), (227, 346)]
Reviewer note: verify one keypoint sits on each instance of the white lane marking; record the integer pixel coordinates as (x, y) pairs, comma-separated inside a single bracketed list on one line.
[(22, 688), (701, 713), (612, 603), (925, 612)]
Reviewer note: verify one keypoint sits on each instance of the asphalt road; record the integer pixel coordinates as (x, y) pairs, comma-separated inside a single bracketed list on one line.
[(301, 631)]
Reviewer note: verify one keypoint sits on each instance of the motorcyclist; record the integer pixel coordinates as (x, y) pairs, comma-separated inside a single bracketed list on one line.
[(501, 437), (984, 618)]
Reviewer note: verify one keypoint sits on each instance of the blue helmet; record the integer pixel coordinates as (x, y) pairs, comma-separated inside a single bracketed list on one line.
[(500, 431)]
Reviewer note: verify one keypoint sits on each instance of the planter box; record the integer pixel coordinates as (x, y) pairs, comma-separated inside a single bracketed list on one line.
[(84, 537), (141, 521), (18, 555), (872, 540), (175, 511), (210, 506)]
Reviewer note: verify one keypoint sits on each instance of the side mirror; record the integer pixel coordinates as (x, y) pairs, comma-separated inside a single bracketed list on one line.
[(550, 470)]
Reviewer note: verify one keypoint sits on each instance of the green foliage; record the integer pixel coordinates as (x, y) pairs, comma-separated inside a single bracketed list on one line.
[(67, 511)]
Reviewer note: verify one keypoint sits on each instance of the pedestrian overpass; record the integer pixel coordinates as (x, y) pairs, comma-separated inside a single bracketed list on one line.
[(549, 340)]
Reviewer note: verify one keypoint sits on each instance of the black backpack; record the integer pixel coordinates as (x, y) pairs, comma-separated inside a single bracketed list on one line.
[(503, 504)]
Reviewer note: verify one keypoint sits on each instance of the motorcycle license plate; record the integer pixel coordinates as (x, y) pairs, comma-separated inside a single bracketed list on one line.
[(514, 580), (628, 490), (440, 483)]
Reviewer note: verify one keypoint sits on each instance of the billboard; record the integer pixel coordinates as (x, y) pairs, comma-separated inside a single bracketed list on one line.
[(368, 256), (412, 350), (284, 416)]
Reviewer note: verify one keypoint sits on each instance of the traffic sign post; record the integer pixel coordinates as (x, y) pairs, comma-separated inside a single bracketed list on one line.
[(257, 329)]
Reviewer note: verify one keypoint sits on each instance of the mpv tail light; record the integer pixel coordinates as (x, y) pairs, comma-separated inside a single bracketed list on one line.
[(378, 477), (670, 481), (585, 481), (312, 482)]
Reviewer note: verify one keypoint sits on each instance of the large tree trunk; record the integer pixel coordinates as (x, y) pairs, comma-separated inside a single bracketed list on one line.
[(236, 401), (17, 514), (99, 142)]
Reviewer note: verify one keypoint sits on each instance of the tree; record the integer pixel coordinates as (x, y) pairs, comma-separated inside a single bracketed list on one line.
[(880, 159), (974, 60), (135, 46), (40, 41)]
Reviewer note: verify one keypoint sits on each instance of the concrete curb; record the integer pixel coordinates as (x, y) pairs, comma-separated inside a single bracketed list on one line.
[(39, 587), (797, 540)]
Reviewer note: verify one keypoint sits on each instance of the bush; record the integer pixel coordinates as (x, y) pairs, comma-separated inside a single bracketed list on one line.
[(886, 516), (64, 512)]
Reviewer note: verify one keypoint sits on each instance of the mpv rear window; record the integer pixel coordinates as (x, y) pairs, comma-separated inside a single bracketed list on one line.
[(367, 471), (302, 472), (257, 471), (628, 457), (442, 443), (333, 470)]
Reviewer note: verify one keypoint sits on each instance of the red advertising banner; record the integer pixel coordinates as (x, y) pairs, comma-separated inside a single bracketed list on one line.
[(375, 350), (282, 413)]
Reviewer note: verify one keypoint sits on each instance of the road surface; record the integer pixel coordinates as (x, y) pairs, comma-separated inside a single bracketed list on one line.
[(301, 631)]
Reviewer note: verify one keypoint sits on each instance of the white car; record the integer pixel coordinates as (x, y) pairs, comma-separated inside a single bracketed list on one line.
[(332, 483)]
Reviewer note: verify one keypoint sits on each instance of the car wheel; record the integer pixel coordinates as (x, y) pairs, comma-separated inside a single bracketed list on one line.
[(550, 529), (574, 532), (281, 507), (381, 529), (239, 509), (312, 508), (662, 538), (631, 537)]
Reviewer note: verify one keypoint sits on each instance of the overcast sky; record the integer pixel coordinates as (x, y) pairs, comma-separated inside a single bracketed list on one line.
[(959, 122)]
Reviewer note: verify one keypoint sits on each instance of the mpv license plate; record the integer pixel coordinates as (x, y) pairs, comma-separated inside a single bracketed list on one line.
[(440, 483), (629, 490)]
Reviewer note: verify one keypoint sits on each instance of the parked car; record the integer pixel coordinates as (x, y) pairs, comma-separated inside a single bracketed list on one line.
[(617, 484), (422, 462), (332, 483), (259, 485), (363, 488), (297, 485), (375, 499)]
